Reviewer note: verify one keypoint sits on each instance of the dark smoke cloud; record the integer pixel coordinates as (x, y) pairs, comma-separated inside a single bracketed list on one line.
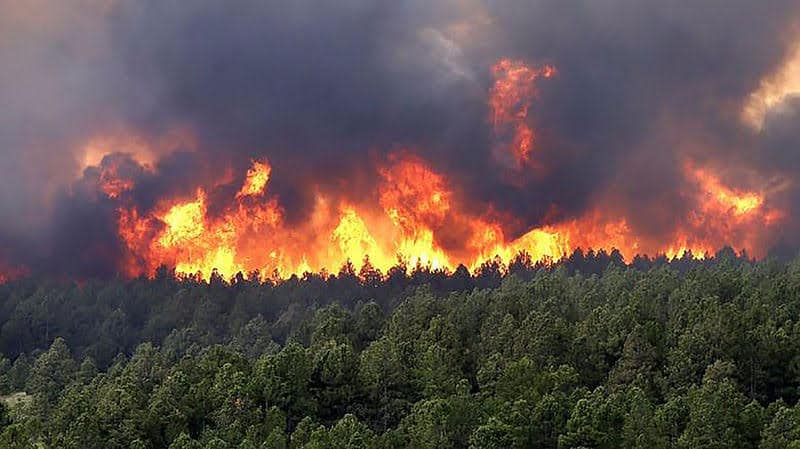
[(642, 84), (326, 90), (311, 85)]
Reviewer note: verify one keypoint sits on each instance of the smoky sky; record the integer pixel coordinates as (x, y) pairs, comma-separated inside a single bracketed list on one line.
[(326, 90)]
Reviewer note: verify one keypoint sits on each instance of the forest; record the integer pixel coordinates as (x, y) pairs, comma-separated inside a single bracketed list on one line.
[(589, 352)]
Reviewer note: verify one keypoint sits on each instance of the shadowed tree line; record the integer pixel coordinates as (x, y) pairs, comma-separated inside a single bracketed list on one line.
[(586, 353)]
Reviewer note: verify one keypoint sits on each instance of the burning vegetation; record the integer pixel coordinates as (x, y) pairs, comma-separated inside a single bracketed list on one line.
[(411, 220), (412, 214)]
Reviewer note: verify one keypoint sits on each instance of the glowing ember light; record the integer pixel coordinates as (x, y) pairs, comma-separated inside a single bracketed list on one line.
[(510, 100)]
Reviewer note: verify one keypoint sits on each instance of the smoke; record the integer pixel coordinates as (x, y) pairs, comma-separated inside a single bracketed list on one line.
[(327, 90)]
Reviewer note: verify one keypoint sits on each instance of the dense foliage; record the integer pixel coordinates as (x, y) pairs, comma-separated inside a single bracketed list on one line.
[(588, 353)]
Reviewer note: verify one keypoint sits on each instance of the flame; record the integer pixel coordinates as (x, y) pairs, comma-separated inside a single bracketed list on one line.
[(725, 198), (256, 180), (184, 222), (353, 238), (197, 243), (510, 100), (417, 200), (416, 213), (415, 216), (724, 214)]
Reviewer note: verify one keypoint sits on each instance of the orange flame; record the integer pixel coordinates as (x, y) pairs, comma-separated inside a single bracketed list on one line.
[(417, 217), (724, 215), (417, 212), (724, 198), (510, 100), (256, 180)]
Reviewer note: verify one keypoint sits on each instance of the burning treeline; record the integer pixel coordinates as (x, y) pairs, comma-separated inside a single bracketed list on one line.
[(414, 215)]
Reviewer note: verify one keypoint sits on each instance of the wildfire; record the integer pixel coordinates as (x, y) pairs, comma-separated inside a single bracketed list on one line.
[(196, 243), (510, 100), (417, 201), (415, 207), (724, 214), (416, 212), (414, 216)]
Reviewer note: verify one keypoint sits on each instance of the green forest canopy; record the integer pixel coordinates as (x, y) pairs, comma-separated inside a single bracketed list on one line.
[(590, 353)]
